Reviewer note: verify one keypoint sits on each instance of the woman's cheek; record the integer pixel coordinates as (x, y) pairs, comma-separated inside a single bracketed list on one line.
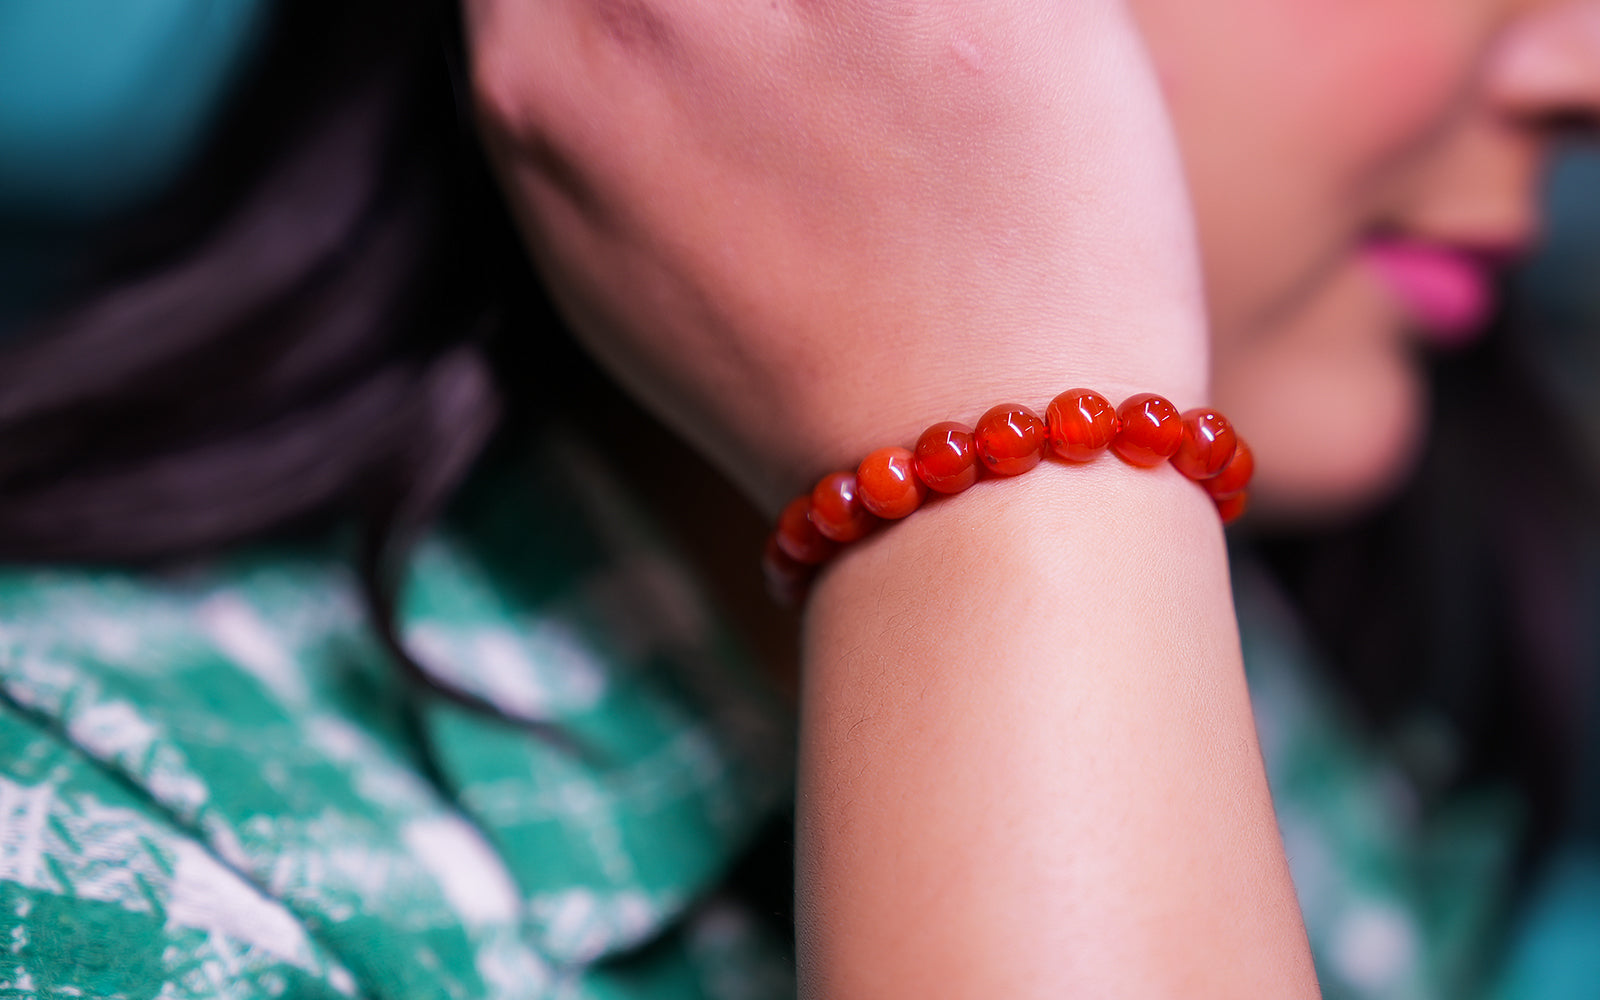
[(1393, 90), (1293, 116), (1301, 122)]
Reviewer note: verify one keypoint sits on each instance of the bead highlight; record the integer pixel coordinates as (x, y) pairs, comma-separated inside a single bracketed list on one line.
[(1082, 424), (889, 485), (836, 508), (1151, 430), (947, 458), (1207, 446), (1010, 439)]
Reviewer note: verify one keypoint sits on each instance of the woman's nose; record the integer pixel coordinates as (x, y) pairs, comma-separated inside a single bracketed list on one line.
[(1547, 75)]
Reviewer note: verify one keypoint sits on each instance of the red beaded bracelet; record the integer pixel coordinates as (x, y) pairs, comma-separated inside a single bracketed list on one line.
[(1008, 440)]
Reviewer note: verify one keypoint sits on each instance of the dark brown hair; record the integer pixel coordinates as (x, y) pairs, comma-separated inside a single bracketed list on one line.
[(1456, 618), (296, 332), (299, 333)]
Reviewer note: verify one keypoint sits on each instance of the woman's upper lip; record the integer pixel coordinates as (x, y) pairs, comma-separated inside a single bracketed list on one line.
[(1498, 249), (1496, 255)]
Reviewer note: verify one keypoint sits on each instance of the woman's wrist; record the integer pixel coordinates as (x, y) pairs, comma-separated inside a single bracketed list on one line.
[(1028, 760)]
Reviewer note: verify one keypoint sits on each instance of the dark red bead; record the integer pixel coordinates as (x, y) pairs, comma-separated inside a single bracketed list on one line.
[(1151, 430), (786, 578), (889, 484), (798, 537), (946, 458), (1235, 476), (1082, 423), (1207, 445), (836, 508), (1232, 508), (1010, 439)]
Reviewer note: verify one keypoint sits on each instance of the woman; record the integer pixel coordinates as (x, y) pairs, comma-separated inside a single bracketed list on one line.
[(1353, 179), (796, 234)]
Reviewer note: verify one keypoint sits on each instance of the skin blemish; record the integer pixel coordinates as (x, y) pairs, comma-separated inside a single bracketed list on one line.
[(968, 54)]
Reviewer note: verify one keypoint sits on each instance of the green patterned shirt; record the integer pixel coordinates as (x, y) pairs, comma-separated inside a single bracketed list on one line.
[(213, 783)]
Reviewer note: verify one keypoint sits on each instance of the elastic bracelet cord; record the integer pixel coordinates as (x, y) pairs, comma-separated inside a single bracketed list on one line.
[(1008, 440)]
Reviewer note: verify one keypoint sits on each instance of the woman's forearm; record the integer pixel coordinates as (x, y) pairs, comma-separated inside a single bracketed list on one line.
[(1028, 763), (795, 231)]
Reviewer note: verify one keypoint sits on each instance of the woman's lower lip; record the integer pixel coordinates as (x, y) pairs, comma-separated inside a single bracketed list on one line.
[(1449, 293)]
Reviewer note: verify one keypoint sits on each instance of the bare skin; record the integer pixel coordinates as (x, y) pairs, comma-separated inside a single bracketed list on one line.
[(1012, 786)]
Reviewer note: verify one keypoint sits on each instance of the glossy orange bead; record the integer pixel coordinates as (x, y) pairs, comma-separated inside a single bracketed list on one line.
[(1235, 476), (798, 537), (889, 484), (1010, 439), (946, 458), (1082, 423), (1207, 445), (786, 578), (1151, 430), (836, 508), (1230, 509)]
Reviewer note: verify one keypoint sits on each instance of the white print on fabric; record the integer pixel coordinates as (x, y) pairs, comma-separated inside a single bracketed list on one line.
[(82, 848), (469, 873), (581, 924), (535, 673), (374, 774), (332, 813), (242, 636)]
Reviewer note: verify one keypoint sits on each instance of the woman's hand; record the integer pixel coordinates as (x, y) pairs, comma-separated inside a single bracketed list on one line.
[(802, 229)]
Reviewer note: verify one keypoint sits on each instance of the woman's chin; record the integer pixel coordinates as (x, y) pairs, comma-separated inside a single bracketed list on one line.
[(1332, 400), (1335, 433)]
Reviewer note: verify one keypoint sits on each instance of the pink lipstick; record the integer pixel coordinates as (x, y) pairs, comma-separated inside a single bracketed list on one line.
[(1448, 291)]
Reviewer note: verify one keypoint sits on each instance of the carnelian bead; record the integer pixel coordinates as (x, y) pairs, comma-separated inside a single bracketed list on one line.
[(1232, 508), (786, 577), (946, 458), (836, 508), (1151, 430), (798, 537), (1082, 424), (1235, 476), (1207, 445), (1010, 439), (889, 484)]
